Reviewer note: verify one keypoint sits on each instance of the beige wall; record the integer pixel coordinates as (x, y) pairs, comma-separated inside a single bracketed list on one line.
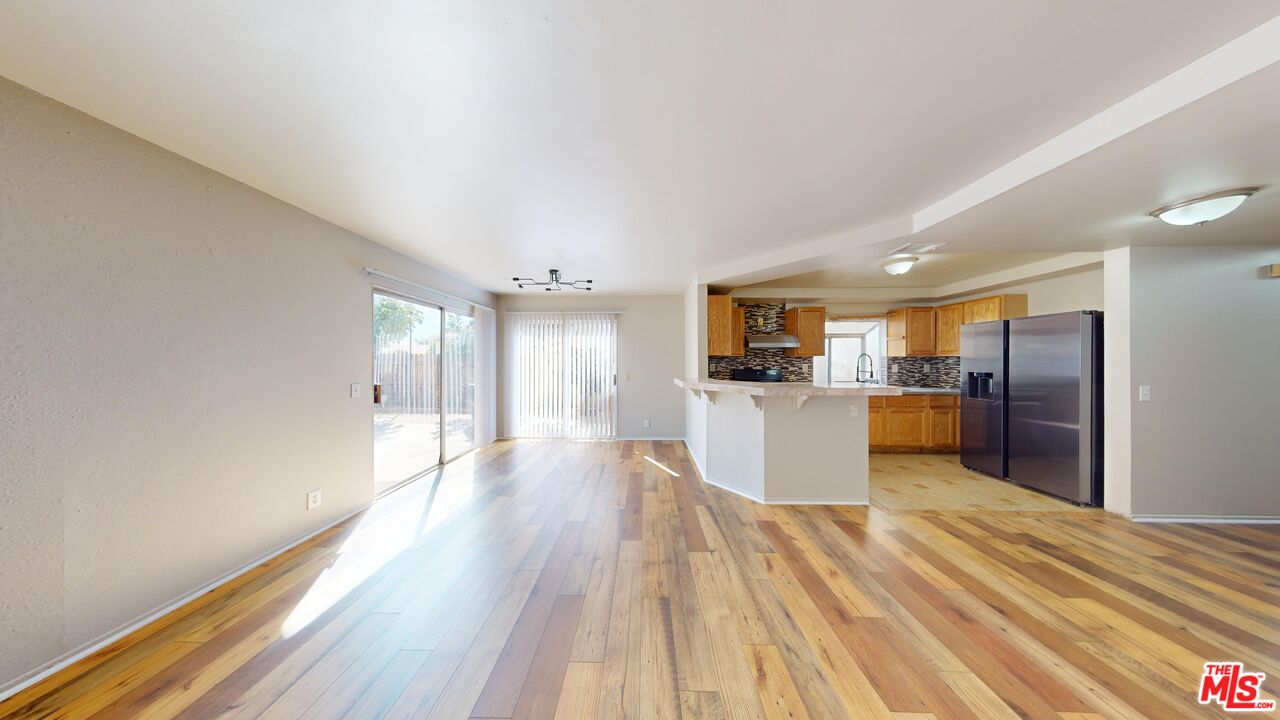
[(177, 351), (1117, 385), (695, 366), (650, 355), (1204, 338), (1080, 290), (1066, 293)]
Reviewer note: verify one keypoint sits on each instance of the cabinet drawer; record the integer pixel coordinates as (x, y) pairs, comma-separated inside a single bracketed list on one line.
[(907, 401), (875, 401), (944, 401)]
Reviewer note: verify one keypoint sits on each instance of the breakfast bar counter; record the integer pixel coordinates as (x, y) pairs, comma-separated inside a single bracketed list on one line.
[(788, 443)]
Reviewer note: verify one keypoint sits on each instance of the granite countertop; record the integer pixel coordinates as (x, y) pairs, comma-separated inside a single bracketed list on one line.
[(788, 389), (907, 390)]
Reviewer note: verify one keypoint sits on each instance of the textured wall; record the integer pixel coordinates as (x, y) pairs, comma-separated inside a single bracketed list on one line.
[(177, 350), (764, 319), (1205, 444)]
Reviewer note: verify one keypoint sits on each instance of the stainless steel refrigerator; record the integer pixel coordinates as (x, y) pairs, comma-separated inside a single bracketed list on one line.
[(1046, 388), (983, 361)]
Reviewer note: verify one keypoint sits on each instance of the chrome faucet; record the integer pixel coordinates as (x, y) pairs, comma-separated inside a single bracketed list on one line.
[(871, 369)]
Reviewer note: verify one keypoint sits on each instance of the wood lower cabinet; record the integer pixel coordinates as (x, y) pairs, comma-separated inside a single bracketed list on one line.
[(944, 422), (875, 421), (914, 423)]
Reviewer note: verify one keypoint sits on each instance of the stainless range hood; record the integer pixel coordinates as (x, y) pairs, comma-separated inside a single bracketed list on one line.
[(773, 341)]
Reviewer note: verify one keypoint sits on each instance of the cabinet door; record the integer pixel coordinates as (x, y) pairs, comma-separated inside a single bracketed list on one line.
[(739, 344), (984, 309), (950, 317), (875, 426), (719, 325), (809, 325), (896, 333), (813, 331), (942, 428), (906, 427), (920, 331)]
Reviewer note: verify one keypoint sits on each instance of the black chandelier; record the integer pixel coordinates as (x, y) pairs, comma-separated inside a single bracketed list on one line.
[(555, 284)]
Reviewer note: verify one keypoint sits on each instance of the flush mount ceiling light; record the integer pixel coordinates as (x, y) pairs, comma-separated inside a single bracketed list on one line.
[(1203, 208), (899, 264), (554, 284)]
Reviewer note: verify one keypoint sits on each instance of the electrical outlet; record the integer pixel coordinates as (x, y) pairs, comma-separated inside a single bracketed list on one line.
[(853, 411), (928, 367), (894, 367), (646, 422), (313, 499), (1144, 393), (355, 390)]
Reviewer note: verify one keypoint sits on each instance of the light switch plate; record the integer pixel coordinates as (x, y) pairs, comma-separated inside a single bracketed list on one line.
[(646, 422), (313, 499), (853, 411), (1144, 393), (355, 390)]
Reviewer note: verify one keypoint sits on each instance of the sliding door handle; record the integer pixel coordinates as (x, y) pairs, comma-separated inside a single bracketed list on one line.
[(377, 393)]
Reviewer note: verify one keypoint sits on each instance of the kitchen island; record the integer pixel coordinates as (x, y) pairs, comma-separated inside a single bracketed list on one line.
[(788, 443)]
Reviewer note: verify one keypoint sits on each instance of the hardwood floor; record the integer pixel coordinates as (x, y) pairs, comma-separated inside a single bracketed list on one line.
[(583, 580)]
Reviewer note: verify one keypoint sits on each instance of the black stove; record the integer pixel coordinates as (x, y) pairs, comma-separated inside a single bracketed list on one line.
[(774, 375)]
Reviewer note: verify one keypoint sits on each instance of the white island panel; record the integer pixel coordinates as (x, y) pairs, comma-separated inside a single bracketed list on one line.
[(816, 454), (735, 445)]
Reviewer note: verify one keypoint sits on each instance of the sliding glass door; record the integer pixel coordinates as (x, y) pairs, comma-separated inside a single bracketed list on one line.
[(459, 384), (563, 375), (424, 388)]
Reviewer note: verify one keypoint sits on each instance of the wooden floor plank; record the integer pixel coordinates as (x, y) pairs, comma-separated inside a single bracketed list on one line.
[(575, 580)]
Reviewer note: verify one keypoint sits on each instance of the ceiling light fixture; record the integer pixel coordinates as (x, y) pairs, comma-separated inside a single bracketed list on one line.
[(1203, 208), (555, 284), (899, 264)]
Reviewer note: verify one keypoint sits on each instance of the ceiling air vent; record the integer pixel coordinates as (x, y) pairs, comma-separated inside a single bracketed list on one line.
[(916, 248)]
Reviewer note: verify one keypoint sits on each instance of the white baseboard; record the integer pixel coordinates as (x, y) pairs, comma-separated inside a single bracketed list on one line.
[(1209, 519), (697, 465), (93, 646), (781, 501)]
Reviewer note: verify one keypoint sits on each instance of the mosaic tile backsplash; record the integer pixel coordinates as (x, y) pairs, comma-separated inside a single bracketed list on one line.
[(766, 319), (942, 372)]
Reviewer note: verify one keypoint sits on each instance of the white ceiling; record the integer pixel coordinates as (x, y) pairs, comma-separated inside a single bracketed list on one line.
[(636, 143), (933, 269)]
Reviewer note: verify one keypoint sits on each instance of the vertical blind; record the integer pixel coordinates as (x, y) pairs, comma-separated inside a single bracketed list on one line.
[(563, 374)]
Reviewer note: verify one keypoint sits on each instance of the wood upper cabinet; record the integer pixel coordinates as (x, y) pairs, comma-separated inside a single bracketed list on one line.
[(910, 331), (809, 324), (719, 325), (739, 348), (949, 319), (895, 333), (996, 307), (920, 331)]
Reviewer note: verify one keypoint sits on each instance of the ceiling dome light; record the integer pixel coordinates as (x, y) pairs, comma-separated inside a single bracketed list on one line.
[(899, 264), (1200, 210)]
